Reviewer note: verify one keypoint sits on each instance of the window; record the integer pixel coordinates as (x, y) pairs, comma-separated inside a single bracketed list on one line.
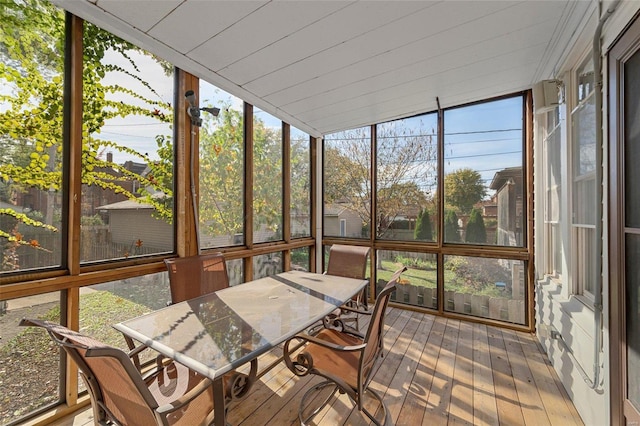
[(31, 132), (347, 183), (483, 174), (485, 287), (267, 265), (105, 304), (300, 260), (553, 147), (22, 360), (418, 285), (127, 181), (300, 210), (583, 185), (473, 248), (406, 176), (267, 177), (221, 176)]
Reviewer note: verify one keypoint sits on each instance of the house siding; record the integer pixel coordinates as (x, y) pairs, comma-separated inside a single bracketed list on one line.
[(354, 224), (557, 305), (129, 226)]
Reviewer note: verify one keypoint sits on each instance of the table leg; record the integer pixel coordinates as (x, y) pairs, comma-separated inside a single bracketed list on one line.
[(218, 403)]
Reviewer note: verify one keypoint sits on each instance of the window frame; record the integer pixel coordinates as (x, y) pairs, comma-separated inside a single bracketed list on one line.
[(523, 253), (581, 264), (554, 251)]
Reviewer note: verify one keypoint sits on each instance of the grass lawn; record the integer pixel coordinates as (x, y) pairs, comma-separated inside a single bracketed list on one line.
[(29, 362)]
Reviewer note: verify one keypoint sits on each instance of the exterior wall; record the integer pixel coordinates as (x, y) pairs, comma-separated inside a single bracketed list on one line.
[(354, 224), (127, 226), (558, 308)]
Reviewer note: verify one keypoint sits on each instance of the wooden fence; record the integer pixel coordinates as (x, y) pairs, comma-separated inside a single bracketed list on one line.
[(499, 308)]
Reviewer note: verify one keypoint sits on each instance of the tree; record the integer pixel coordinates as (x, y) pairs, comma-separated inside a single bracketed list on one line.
[(222, 175), (423, 227), (267, 175), (397, 200), (406, 162), (31, 118), (476, 231), (451, 234), (463, 189), (347, 172)]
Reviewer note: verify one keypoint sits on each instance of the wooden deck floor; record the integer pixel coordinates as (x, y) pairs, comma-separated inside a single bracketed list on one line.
[(436, 371)]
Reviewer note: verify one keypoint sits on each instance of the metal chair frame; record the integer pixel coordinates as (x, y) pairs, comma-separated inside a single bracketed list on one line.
[(330, 354), (84, 351)]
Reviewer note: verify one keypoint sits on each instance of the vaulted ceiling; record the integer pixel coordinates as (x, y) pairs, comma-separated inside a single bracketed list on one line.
[(325, 66)]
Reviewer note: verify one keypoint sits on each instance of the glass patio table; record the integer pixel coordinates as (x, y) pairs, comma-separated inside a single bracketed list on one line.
[(218, 332)]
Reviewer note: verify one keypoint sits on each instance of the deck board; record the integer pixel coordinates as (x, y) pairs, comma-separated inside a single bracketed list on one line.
[(435, 371), (485, 411), (438, 403), (509, 409), (461, 403), (528, 394)]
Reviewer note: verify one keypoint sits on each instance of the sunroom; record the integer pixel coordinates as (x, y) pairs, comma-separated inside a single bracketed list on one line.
[(486, 146)]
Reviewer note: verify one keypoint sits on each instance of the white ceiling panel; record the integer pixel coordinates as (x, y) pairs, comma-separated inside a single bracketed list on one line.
[(439, 53), (262, 28), (323, 34), (489, 72), (325, 66), (144, 14), (196, 22), (444, 68)]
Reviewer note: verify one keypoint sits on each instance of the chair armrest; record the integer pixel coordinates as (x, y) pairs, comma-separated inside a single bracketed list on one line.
[(186, 398), (313, 339), (303, 363)]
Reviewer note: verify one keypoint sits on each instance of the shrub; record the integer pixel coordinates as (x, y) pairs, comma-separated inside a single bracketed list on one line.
[(451, 227), (423, 227), (476, 231)]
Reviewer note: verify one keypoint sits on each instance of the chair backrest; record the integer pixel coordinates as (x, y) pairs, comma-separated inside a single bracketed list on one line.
[(374, 336), (194, 276), (348, 261), (112, 380)]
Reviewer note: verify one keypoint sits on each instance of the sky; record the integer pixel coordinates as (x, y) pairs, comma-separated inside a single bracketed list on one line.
[(139, 132), (486, 137)]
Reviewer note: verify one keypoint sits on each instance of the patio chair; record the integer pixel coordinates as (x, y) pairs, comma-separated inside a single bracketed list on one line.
[(170, 394), (345, 358), (194, 276), (350, 262)]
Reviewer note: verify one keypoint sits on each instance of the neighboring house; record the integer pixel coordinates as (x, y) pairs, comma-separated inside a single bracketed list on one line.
[(508, 186), (403, 225), (489, 209), (341, 221), (94, 196), (131, 221)]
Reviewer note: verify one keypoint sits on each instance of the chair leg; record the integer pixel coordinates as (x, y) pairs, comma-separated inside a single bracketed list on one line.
[(317, 388), (305, 397), (383, 407)]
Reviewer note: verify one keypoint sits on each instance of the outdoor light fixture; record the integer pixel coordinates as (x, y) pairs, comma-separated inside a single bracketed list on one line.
[(194, 111)]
